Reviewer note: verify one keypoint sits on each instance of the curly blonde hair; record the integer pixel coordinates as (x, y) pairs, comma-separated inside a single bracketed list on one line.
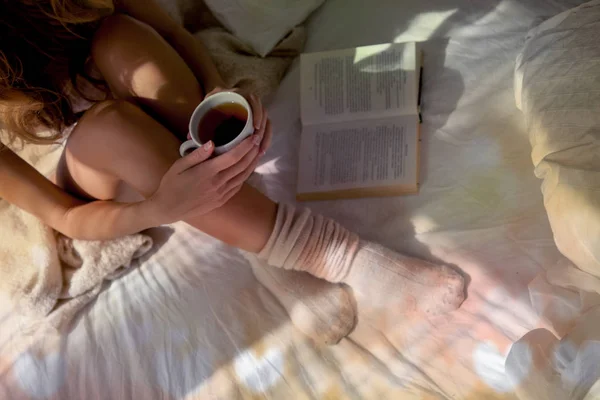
[(45, 46)]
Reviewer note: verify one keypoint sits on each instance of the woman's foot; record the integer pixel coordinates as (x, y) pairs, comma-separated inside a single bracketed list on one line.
[(321, 310), (384, 278)]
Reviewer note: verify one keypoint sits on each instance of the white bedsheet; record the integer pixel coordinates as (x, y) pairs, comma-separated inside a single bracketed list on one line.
[(192, 322), (559, 54)]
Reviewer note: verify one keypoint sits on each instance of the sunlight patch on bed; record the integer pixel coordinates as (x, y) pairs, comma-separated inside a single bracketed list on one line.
[(509, 310), (424, 25), (259, 373), (40, 377), (182, 372), (423, 223), (269, 167), (489, 366)]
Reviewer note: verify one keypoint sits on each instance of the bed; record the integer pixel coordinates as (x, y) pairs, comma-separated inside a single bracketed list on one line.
[(191, 322)]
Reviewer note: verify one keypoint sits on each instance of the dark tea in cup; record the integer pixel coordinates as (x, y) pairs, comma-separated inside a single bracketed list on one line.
[(222, 123), (223, 117)]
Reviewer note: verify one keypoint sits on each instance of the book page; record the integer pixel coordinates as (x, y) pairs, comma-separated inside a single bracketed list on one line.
[(358, 155), (368, 82)]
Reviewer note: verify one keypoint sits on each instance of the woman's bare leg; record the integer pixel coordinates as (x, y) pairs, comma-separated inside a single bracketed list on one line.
[(116, 142)]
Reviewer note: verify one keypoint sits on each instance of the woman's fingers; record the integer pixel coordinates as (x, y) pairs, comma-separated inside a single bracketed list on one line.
[(229, 194), (263, 125), (262, 131), (241, 166), (194, 158), (239, 180), (268, 136), (257, 111), (232, 157)]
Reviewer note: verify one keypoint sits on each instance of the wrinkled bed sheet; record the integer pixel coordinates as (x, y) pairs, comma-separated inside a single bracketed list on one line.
[(192, 322)]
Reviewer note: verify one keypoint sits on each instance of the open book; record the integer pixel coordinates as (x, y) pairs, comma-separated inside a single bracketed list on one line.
[(360, 122)]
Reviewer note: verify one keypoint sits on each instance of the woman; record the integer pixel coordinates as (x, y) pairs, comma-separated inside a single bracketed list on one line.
[(154, 73)]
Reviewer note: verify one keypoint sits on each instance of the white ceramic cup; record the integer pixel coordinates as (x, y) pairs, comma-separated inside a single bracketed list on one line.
[(200, 111)]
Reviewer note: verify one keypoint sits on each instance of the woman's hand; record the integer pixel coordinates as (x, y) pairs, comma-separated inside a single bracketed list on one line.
[(196, 185), (262, 124)]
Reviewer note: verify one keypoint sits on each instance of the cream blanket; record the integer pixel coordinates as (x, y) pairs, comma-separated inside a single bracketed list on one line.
[(41, 269), (47, 274), (237, 62)]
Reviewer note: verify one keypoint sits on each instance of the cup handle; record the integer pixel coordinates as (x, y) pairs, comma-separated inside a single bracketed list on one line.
[(187, 147)]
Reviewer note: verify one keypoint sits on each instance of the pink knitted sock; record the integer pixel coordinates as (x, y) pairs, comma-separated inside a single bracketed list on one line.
[(303, 241), (321, 310)]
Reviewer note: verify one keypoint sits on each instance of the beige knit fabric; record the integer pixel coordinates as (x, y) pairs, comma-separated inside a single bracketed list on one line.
[(385, 278), (39, 267), (239, 64), (303, 241), (323, 311), (380, 277), (46, 275)]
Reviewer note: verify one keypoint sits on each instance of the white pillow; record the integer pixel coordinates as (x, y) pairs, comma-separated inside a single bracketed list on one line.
[(557, 84), (262, 23)]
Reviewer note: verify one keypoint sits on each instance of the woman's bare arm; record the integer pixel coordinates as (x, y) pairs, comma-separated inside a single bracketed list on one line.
[(23, 186), (193, 186), (192, 51)]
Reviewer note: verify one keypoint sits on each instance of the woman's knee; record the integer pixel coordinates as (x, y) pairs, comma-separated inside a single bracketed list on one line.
[(116, 134), (141, 66), (116, 35), (119, 138), (120, 51), (83, 170), (100, 128), (133, 56)]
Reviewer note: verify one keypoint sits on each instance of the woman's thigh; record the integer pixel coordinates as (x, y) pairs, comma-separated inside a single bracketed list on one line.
[(140, 66)]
